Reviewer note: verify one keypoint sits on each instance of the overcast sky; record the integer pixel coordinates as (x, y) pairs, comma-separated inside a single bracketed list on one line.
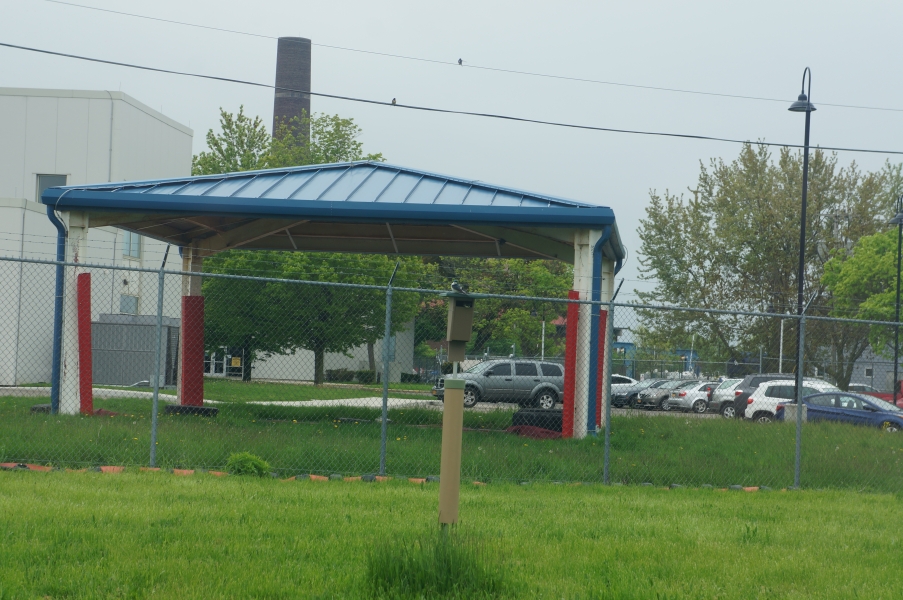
[(751, 49)]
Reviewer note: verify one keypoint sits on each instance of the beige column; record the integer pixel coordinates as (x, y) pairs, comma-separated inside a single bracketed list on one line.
[(76, 223)]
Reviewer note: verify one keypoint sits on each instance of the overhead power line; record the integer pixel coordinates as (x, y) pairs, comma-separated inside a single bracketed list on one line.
[(474, 66), (393, 104)]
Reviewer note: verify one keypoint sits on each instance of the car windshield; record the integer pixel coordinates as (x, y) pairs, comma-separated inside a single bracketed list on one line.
[(689, 384), (670, 385), (879, 404), (728, 383), (646, 383), (479, 367)]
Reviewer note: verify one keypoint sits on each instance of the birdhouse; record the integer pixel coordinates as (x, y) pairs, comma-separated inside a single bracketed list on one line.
[(460, 324)]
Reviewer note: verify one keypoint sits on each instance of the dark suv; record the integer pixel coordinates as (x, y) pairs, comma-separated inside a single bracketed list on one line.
[(521, 381), (749, 385)]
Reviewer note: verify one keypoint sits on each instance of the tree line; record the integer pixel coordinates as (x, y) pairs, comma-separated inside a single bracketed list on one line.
[(732, 243)]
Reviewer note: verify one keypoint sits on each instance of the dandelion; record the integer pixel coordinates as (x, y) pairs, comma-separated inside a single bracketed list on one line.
[(397, 439)]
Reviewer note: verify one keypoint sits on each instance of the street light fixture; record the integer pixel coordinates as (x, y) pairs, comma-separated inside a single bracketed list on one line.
[(802, 104), (898, 221)]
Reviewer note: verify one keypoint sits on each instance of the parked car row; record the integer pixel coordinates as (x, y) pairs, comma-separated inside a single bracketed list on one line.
[(759, 397), (534, 383)]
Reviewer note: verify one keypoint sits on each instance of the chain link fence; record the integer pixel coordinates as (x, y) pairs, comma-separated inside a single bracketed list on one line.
[(326, 378)]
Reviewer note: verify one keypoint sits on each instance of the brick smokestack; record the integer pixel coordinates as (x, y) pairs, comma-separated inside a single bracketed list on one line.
[(292, 73)]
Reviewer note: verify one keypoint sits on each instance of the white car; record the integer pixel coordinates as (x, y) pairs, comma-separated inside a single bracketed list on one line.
[(762, 404), (620, 383)]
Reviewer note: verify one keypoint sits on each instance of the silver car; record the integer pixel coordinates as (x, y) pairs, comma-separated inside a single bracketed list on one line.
[(693, 396), (520, 381), (722, 400)]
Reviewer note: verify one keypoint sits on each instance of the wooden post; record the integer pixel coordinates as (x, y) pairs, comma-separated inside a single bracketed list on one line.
[(450, 462)]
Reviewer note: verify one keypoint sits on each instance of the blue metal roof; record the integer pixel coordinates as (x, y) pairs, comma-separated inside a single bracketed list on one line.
[(356, 192)]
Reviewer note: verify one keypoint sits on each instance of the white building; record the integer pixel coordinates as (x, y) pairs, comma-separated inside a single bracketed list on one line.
[(69, 137)]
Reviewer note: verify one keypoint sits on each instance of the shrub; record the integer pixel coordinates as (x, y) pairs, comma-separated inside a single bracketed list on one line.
[(410, 378), (339, 375), (366, 376), (245, 463)]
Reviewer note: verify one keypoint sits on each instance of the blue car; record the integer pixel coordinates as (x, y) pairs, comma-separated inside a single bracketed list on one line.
[(846, 407)]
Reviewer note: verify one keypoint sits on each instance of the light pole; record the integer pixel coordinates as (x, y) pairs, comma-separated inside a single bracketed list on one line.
[(898, 221), (802, 104)]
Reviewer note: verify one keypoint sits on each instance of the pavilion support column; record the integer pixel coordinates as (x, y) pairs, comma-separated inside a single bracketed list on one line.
[(76, 252), (603, 392), (191, 337), (585, 374), (583, 270)]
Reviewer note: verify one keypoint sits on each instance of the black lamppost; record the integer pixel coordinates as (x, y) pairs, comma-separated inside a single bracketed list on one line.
[(898, 221), (802, 104)]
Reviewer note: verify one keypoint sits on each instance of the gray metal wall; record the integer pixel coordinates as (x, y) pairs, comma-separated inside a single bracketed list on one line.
[(123, 349)]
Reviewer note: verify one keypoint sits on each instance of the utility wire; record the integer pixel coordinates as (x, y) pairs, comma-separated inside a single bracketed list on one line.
[(445, 110), (473, 66)]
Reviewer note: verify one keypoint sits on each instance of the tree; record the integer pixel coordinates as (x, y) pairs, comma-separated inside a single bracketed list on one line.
[(863, 284), (499, 323), (734, 245), (271, 317), (268, 318), (243, 144)]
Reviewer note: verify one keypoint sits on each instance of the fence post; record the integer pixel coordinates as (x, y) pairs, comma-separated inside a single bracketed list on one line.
[(799, 399), (609, 342), (609, 349), (158, 338), (386, 341)]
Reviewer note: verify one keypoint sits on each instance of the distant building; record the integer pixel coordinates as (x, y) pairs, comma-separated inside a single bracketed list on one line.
[(69, 137)]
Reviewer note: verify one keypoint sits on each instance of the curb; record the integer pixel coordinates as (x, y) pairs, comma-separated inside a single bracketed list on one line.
[(366, 478)]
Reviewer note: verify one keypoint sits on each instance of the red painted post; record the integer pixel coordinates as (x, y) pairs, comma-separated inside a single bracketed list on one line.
[(85, 364), (570, 364), (192, 383), (600, 364)]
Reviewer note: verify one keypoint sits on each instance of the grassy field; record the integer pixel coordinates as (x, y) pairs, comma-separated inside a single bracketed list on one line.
[(139, 535), (346, 440)]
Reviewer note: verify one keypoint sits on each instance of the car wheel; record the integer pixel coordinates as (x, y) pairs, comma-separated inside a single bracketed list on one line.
[(471, 397), (665, 404), (546, 400), (631, 402), (890, 426), (763, 418), (728, 412), (699, 406)]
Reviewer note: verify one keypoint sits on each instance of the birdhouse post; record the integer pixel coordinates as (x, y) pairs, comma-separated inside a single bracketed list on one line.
[(460, 328)]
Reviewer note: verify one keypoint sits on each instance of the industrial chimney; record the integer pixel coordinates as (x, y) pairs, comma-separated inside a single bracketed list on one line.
[(292, 81)]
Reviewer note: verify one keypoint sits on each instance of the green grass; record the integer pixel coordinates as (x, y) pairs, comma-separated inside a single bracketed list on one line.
[(140, 535), (304, 439)]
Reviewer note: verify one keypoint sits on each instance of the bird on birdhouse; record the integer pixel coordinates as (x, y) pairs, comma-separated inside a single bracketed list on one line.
[(460, 62), (457, 287), (393, 101)]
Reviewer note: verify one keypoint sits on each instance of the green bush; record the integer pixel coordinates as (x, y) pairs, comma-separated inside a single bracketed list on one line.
[(339, 375), (245, 463), (410, 378), (366, 376)]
